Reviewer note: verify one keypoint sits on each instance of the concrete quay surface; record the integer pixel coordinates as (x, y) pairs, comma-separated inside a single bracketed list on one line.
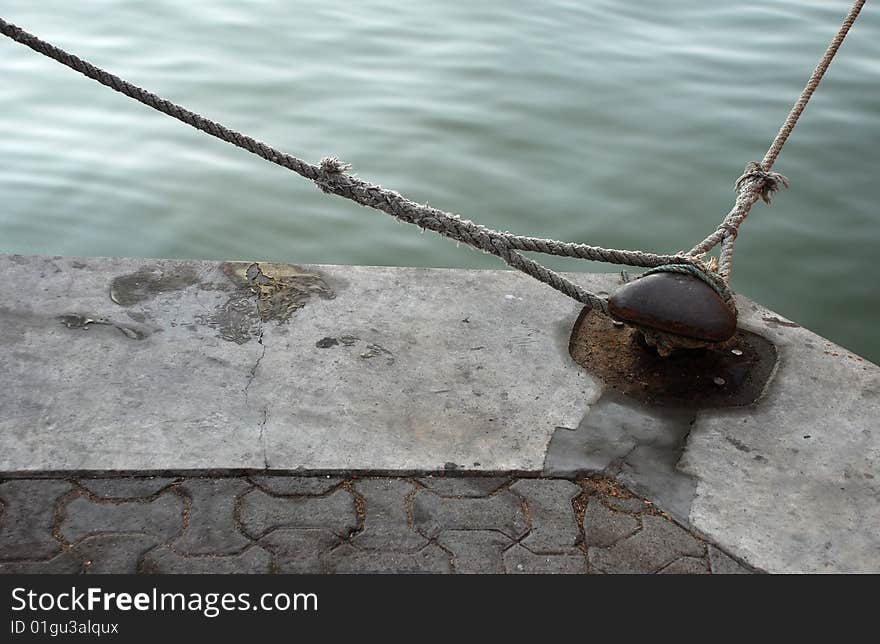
[(196, 367)]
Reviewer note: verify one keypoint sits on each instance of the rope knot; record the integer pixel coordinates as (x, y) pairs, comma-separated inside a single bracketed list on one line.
[(332, 165), (766, 181)]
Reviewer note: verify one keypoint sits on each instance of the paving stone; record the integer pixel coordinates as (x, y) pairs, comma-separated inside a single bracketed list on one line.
[(503, 511), (475, 551), (386, 526), (211, 528), (347, 559), (687, 566), (633, 504), (302, 533), (554, 526), (312, 565), (163, 560), (469, 486), (28, 518), (604, 527), (520, 560), (658, 543), (161, 517), (299, 550), (297, 485), (114, 553), (722, 564), (261, 512), (60, 564), (125, 488)]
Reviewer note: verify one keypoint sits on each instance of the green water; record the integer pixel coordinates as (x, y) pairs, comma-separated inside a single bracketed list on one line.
[(619, 124)]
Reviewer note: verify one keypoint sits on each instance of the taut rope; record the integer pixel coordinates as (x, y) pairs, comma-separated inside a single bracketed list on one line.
[(758, 180), (332, 176)]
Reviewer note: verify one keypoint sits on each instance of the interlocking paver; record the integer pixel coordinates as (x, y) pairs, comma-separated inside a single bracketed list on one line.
[(164, 560), (687, 566), (503, 511), (261, 512), (211, 528), (657, 544), (604, 527), (297, 485), (63, 563), (114, 553), (459, 486), (347, 559), (476, 551), (386, 525), (554, 527), (302, 524), (721, 564), (161, 517), (125, 488), (28, 518), (299, 550), (520, 560), (626, 504)]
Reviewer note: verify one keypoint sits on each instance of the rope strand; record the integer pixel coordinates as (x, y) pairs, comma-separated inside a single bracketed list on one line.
[(758, 181)]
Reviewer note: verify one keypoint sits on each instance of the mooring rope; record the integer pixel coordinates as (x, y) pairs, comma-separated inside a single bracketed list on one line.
[(758, 181), (333, 176)]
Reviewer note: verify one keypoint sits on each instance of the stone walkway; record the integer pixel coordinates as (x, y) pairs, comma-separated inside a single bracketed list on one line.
[(287, 524)]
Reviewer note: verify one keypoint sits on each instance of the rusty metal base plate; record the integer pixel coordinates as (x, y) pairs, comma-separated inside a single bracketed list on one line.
[(618, 355)]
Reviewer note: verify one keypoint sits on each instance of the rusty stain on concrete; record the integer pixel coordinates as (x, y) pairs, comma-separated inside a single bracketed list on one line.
[(734, 376), (263, 292)]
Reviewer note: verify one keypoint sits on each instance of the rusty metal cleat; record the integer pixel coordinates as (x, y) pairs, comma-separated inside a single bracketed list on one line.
[(675, 303)]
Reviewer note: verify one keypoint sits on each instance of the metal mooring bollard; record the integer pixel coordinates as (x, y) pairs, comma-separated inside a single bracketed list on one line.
[(675, 303)]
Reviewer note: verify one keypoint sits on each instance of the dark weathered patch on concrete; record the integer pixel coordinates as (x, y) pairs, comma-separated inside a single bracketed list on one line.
[(377, 350), (236, 320), (281, 289), (370, 351), (148, 282), (263, 292), (641, 445), (84, 322), (735, 376)]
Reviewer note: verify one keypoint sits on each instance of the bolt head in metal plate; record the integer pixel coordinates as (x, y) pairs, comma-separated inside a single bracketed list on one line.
[(675, 303)]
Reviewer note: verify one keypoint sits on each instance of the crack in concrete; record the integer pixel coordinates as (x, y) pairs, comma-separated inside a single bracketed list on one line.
[(263, 436), (617, 465), (253, 372), (252, 375)]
